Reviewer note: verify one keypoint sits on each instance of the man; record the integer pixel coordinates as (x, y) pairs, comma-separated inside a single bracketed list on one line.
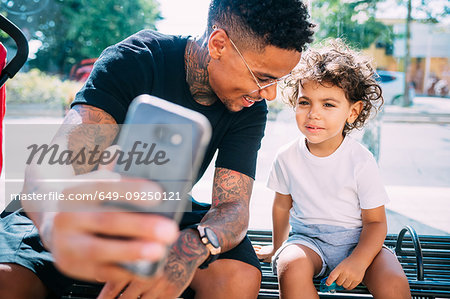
[(226, 74)]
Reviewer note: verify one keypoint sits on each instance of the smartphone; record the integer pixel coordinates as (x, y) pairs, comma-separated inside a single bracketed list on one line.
[(165, 143)]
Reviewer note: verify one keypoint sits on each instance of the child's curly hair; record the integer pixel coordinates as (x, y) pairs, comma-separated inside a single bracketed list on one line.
[(333, 62)]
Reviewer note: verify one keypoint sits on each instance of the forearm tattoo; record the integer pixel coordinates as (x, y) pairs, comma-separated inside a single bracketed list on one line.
[(91, 129), (229, 213), (183, 258), (85, 127), (228, 217)]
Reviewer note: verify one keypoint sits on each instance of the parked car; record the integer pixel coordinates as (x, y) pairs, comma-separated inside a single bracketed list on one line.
[(392, 86)]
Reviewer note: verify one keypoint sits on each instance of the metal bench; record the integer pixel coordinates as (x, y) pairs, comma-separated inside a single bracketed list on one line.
[(425, 260)]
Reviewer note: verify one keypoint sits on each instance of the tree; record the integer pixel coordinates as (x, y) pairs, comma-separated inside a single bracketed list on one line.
[(72, 30), (352, 20), (406, 99)]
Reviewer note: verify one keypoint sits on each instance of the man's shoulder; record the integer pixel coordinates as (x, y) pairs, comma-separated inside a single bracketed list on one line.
[(152, 36), (151, 42)]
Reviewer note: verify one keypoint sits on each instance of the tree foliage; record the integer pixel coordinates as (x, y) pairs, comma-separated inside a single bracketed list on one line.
[(428, 11), (353, 20), (72, 30)]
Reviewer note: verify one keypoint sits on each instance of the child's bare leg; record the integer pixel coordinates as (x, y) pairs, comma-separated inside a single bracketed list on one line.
[(385, 278), (296, 267)]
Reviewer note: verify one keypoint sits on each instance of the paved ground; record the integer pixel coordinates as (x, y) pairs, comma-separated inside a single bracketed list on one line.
[(414, 161)]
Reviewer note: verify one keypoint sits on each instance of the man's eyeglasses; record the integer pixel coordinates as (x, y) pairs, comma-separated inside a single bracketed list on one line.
[(271, 82)]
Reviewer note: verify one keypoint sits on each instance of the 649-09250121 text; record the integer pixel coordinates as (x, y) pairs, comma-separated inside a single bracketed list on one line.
[(98, 195)]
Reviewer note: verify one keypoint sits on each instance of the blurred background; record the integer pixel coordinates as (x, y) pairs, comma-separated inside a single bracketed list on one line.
[(409, 41)]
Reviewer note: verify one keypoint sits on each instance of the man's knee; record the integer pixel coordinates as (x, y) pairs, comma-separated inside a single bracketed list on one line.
[(232, 273), (241, 274), (228, 278), (18, 282)]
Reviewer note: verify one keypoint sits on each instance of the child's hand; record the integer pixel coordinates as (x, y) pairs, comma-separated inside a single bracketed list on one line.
[(349, 273), (264, 253)]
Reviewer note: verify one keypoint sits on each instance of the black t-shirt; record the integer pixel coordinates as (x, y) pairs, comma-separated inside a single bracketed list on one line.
[(149, 62)]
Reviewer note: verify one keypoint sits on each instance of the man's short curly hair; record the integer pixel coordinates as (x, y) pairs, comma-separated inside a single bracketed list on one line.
[(334, 63), (256, 24)]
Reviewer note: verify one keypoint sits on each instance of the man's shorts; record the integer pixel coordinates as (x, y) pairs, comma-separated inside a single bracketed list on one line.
[(20, 244)]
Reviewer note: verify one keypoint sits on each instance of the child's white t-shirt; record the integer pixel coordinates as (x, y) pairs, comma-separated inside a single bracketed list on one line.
[(328, 190)]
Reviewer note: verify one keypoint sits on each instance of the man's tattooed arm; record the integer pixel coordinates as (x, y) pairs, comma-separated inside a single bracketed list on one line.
[(184, 258), (90, 129), (84, 127), (229, 213), (228, 217)]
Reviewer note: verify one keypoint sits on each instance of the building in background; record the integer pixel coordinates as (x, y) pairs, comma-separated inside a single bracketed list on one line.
[(430, 55)]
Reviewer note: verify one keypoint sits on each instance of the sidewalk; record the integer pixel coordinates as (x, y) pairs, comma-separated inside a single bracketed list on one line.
[(424, 110), (424, 105)]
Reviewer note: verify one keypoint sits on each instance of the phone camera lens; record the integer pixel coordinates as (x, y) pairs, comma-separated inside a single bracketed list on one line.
[(176, 139)]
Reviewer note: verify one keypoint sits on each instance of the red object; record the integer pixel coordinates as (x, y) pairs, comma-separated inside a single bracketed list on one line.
[(2, 103), (80, 71)]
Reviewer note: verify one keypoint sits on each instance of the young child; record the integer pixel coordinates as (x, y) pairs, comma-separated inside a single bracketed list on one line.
[(327, 185)]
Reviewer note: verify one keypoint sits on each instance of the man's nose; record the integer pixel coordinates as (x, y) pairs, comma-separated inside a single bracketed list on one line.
[(269, 93)]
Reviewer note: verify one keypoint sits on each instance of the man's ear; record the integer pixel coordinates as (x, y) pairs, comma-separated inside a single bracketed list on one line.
[(216, 43), (355, 110)]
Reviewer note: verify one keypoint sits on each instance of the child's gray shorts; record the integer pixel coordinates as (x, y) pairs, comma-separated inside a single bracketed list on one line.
[(332, 243)]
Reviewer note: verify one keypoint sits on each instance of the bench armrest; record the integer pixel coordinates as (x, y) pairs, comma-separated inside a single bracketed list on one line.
[(417, 249)]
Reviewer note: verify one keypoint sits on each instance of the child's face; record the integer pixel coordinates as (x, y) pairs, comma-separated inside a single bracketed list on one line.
[(321, 114)]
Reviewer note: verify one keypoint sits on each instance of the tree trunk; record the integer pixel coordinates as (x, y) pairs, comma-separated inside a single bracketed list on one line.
[(406, 99)]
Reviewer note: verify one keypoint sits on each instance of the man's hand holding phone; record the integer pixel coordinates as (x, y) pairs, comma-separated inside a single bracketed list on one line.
[(120, 244), (170, 281), (88, 243), (165, 143)]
